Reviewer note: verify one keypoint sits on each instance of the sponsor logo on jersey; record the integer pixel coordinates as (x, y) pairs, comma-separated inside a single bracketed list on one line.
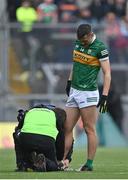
[(85, 58), (79, 56)]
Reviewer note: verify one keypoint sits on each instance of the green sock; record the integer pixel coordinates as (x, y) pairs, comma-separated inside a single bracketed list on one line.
[(89, 163)]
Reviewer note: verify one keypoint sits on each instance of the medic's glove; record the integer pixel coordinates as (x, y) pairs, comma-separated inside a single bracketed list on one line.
[(103, 104), (21, 114), (20, 118), (68, 86)]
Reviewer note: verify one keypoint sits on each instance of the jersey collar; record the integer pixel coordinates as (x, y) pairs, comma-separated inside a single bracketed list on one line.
[(93, 39)]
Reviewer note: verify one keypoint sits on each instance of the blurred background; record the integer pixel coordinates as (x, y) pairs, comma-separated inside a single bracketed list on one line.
[(36, 42)]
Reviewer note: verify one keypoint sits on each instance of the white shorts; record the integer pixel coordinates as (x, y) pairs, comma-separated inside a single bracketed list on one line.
[(82, 99)]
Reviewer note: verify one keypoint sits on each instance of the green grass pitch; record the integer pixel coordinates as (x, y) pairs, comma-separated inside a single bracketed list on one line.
[(109, 163)]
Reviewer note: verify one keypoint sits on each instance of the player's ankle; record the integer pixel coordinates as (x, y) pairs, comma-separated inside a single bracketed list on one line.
[(89, 163)]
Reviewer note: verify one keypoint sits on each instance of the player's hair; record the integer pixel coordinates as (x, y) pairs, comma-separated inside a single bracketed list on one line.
[(83, 29)]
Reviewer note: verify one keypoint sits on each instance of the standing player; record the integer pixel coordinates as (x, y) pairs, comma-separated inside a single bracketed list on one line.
[(89, 56)]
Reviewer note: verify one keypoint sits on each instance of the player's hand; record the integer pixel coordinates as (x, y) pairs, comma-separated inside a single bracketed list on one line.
[(63, 164), (66, 163), (68, 86), (103, 104)]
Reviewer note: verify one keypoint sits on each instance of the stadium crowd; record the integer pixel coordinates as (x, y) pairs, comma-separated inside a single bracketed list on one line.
[(111, 15), (56, 10)]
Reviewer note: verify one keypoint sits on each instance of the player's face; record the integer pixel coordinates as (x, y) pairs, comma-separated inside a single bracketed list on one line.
[(86, 39)]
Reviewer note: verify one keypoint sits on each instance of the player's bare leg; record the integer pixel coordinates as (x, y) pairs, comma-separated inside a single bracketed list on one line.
[(89, 116), (72, 118)]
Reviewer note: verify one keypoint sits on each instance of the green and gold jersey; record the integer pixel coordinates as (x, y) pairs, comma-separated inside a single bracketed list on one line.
[(87, 64)]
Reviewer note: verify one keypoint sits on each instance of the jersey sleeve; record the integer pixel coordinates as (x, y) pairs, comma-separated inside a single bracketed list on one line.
[(103, 53)]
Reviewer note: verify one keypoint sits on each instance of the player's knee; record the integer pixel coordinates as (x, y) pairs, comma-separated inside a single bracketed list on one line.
[(68, 129), (90, 130), (68, 132)]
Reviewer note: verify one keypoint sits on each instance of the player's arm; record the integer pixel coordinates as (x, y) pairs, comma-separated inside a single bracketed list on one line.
[(68, 85), (105, 65), (70, 75)]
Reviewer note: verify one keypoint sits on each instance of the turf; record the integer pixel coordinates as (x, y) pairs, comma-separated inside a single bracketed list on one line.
[(110, 163)]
